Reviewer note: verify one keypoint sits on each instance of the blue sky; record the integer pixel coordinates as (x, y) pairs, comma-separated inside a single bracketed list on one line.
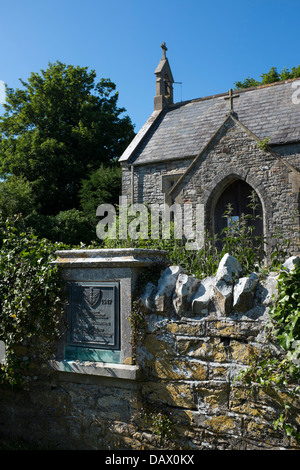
[(210, 44)]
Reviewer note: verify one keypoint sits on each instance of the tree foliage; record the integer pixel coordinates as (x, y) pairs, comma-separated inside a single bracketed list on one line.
[(16, 196), (103, 185), (31, 304), (270, 77), (60, 127)]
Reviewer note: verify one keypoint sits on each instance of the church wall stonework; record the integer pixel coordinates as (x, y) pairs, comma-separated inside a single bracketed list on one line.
[(148, 180), (251, 135), (261, 169), (290, 153), (233, 154)]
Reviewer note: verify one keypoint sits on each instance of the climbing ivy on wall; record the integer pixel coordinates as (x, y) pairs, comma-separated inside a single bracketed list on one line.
[(281, 373), (31, 303)]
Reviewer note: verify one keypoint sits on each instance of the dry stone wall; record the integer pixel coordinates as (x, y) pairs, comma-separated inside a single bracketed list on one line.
[(198, 335)]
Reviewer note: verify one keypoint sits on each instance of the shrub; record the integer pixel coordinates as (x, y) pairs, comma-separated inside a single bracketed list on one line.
[(31, 304)]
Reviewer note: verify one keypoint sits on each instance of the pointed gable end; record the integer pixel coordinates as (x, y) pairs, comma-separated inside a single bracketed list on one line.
[(220, 144)]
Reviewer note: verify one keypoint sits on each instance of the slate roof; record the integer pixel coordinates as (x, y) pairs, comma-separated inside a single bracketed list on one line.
[(183, 129)]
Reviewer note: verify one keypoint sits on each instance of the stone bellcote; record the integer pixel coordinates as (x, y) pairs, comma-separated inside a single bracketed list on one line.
[(164, 82)]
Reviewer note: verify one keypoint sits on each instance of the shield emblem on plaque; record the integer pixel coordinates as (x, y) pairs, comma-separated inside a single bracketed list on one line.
[(91, 295)]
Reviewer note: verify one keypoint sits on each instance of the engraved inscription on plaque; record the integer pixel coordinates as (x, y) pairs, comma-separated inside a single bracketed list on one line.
[(94, 314)]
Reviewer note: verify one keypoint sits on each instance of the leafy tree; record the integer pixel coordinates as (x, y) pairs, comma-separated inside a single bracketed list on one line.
[(70, 227), (103, 185), (270, 77), (16, 196), (247, 83), (58, 129)]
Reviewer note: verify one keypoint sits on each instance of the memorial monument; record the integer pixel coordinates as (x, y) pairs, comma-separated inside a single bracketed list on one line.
[(100, 286)]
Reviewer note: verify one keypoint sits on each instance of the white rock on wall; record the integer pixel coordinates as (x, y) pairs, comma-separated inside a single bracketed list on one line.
[(223, 295), (184, 290), (148, 296), (229, 269), (243, 293), (165, 288), (291, 263), (226, 291), (203, 296)]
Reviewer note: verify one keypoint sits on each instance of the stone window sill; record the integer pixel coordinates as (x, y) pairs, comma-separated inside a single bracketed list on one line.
[(97, 369)]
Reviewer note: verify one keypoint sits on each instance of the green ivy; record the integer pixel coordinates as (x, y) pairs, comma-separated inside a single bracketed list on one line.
[(282, 373), (286, 311), (31, 304)]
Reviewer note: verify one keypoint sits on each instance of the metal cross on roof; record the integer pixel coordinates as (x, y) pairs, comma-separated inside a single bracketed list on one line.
[(230, 98)]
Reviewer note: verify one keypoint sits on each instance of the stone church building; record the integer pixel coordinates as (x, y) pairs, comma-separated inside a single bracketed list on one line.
[(218, 150)]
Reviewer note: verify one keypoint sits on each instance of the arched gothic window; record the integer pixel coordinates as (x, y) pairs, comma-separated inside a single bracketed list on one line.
[(238, 194)]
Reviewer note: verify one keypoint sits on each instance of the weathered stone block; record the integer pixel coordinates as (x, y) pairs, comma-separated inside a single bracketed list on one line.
[(241, 352), (243, 293), (179, 369), (165, 288), (217, 371), (192, 347), (291, 263), (190, 328), (170, 393), (223, 295), (212, 396), (163, 345), (222, 327), (205, 349), (241, 329), (222, 425), (184, 290), (229, 269), (203, 296)]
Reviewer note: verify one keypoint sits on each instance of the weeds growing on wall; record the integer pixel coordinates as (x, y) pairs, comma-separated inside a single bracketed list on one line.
[(161, 424), (282, 373), (238, 238), (31, 304)]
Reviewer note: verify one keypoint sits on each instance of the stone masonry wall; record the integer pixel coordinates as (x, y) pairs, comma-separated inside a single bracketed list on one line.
[(148, 180), (232, 154), (290, 153), (198, 335), (192, 357)]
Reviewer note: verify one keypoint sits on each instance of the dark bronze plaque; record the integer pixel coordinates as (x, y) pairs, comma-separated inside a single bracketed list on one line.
[(94, 314)]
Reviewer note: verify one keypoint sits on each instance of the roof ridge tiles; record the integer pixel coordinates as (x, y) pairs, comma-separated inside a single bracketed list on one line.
[(242, 90)]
